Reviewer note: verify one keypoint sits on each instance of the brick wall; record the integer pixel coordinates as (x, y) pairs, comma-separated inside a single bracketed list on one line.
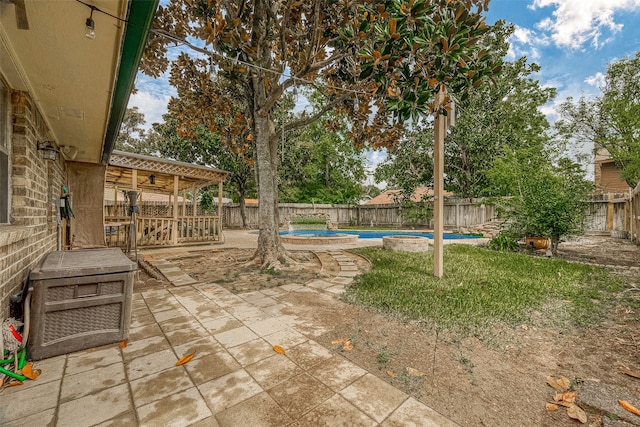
[(35, 185)]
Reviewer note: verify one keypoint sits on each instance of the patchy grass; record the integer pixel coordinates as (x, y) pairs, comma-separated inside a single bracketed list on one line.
[(481, 287)]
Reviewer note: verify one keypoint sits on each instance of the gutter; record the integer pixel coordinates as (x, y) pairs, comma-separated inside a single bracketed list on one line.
[(139, 19)]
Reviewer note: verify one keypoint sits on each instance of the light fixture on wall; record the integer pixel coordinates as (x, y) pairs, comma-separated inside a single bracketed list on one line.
[(49, 150), (152, 179), (90, 26)]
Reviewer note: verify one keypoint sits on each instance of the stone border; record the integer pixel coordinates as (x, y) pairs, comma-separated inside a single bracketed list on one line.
[(318, 240), (406, 243)]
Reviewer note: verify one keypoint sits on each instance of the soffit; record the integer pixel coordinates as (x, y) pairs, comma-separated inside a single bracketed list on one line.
[(70, 77)]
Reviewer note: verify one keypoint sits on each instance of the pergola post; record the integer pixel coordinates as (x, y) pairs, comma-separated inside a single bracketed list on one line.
[(116, 210), (195, 200), (174, 227), (219, 210)]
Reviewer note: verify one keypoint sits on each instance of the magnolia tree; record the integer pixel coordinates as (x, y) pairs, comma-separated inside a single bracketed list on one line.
[(379, 62)]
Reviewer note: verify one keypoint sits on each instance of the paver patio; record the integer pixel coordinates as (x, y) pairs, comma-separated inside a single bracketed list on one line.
[(235, 378)]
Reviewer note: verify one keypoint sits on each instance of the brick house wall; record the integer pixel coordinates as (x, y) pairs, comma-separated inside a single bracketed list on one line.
[(35, 184)]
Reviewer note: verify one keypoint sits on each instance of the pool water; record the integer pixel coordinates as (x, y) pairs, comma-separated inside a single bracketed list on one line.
[(378, 234)]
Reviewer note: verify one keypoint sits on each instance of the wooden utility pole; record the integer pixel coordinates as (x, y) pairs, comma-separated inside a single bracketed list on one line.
[(441, 124)]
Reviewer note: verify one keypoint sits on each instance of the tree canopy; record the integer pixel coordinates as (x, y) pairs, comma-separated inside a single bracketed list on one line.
[(612, 120), (378, 62), (502, 115)]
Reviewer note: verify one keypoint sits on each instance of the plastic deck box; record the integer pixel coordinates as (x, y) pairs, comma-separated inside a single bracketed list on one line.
[(81, 299)]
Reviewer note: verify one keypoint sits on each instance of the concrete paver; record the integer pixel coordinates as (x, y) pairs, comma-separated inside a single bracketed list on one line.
[(374, 396), (235, 377), (90, 410)]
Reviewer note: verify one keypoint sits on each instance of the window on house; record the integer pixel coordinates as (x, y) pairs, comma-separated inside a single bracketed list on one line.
[(5, 151)]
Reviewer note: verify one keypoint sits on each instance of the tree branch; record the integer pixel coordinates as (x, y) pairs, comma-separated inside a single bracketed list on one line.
[(308, 120)]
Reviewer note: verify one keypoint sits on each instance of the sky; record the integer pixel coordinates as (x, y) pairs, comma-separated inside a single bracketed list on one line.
[(572, 41)]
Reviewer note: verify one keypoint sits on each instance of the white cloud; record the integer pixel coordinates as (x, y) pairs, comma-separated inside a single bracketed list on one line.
[(525, 42), (597, 80), (576, 22), (152, 106), (152, 98)]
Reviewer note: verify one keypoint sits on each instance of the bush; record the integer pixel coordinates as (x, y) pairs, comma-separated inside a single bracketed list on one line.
[(506, 241), (308, 220)]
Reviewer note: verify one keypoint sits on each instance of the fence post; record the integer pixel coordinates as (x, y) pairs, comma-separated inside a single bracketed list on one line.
[(610, 213)]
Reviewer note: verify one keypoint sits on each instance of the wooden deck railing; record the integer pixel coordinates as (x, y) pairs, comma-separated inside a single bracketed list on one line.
[(160, 231)]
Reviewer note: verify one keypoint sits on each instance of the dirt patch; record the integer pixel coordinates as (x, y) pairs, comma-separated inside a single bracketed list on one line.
[(234, 270), (494, 380)]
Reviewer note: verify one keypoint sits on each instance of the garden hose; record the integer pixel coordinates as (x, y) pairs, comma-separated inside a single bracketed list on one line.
[(12, 374)]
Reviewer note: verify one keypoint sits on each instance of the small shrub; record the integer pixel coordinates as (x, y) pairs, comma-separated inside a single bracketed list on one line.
[(505, 241), (307, 220)]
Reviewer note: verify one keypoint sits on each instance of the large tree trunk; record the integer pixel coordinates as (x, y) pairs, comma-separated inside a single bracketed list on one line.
[(270, 250)]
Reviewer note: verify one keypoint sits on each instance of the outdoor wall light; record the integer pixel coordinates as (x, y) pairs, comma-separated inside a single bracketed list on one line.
[(49, 150), (90, 26)]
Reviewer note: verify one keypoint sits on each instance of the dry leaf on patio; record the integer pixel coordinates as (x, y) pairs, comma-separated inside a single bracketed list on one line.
[(565, 404), (14, 383), (392, 373), (629, 372), (29, 372), (553, 383), (341, 341), (564, 382), (629, 407), (124, 343), (415, 373), (551, 407), (185, 359), (569, 396), (278, 349), (575, 412), (348, 346), (557, 397)]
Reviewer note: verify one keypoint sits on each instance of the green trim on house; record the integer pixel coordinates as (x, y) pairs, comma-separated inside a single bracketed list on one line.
[(139, 18)]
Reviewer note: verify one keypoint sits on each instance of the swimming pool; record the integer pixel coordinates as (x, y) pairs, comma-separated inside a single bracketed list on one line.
[(377, 234)]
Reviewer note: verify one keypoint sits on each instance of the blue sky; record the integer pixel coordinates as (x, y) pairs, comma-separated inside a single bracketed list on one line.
[(572, 40)]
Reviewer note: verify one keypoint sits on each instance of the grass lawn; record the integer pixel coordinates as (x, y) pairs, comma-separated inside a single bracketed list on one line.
[(481, 287)]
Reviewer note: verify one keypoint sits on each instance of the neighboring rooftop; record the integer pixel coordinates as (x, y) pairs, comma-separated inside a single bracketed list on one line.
[(391, 197)]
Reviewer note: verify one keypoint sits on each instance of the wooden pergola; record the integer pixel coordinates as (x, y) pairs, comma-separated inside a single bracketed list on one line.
[(146, 174)]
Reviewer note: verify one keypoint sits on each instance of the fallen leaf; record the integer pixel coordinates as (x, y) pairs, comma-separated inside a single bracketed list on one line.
[(348, 346), (341, 341), (14, 383), (278, 349), (575, 412), (557, 397), (124, 343), (564, 382), (185, 359), (392, 373), (415, 373), (553, 383), (629, 372), (629, 407), (569, 396), (551, 407), (29, 372), (565, 404)]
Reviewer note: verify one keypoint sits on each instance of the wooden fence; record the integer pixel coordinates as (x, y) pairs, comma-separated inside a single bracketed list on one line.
[(618, 214), (457, 213)]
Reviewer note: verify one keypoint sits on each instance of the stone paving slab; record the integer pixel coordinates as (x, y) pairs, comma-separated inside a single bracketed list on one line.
[(604, 398), (234, 379)]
